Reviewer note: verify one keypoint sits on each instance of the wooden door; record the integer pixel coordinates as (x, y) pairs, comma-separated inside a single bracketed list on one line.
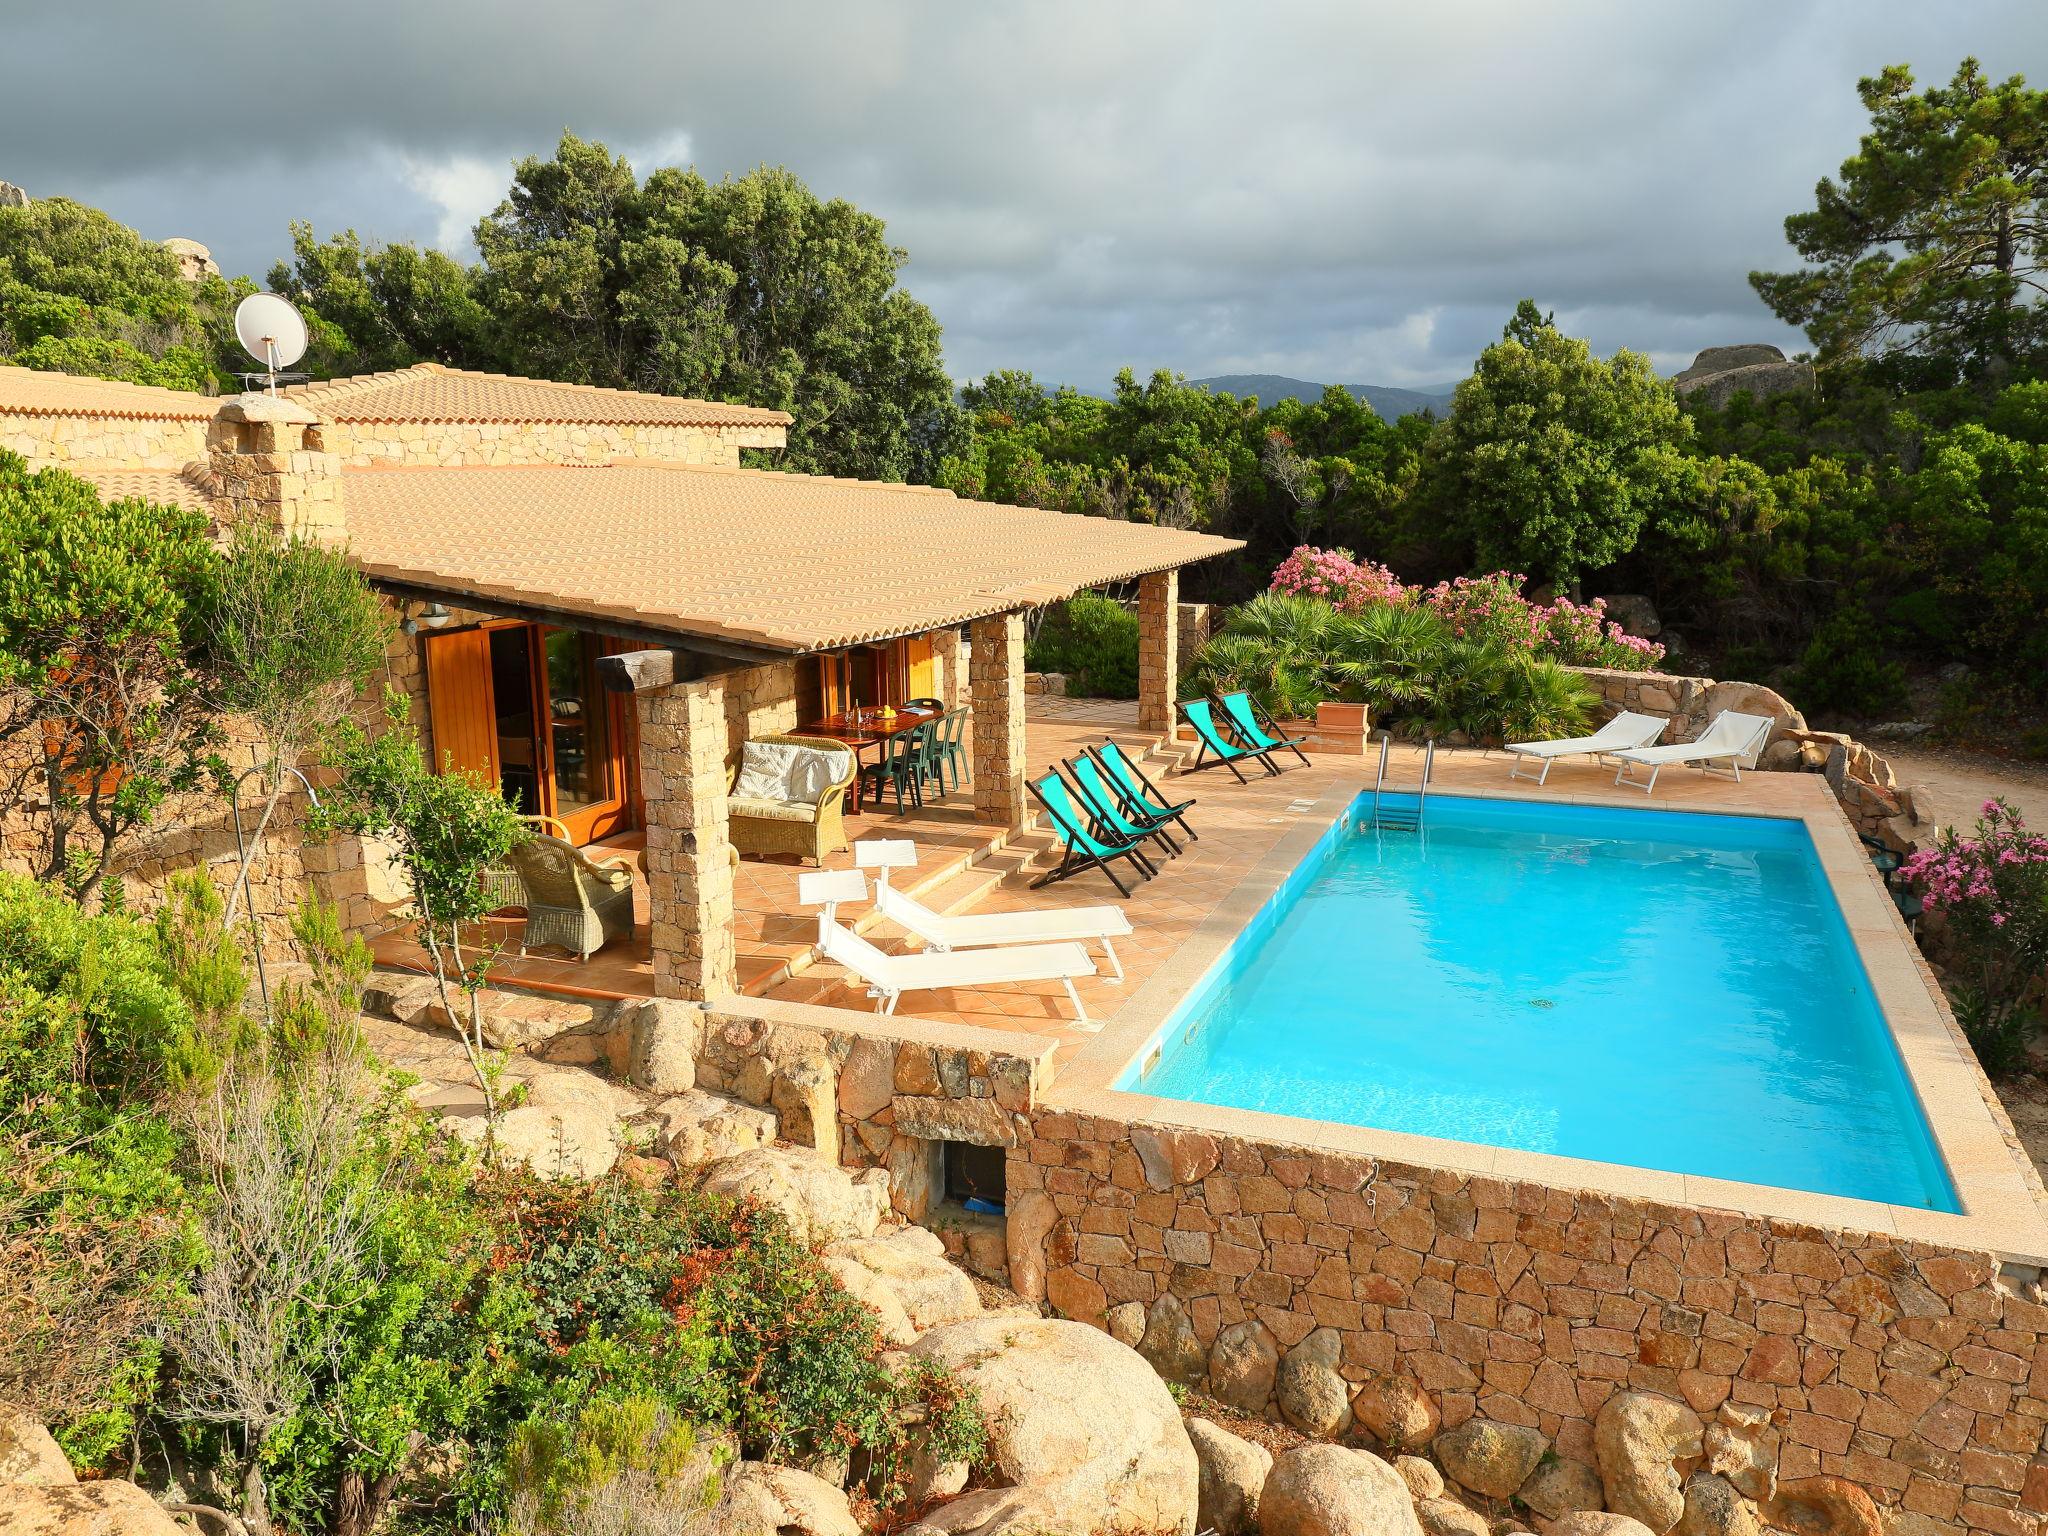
[(584, 782), (920, 670), (461, 712)]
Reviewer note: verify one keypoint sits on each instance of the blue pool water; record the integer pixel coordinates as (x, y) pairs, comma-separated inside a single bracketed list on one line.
[(1654, 988)]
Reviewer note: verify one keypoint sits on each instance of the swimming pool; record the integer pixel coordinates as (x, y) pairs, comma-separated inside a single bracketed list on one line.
[(1658, 989)]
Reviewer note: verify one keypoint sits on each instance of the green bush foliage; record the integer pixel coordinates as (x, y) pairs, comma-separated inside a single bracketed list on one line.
[(1402, 659), (232, 1242), (103, 713), (82, 293), (1094, 641)]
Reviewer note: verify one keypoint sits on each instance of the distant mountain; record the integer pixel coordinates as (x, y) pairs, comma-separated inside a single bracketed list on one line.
[(1389, 402)]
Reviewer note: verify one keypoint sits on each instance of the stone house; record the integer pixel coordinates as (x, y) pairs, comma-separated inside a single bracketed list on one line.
[(524, 532)]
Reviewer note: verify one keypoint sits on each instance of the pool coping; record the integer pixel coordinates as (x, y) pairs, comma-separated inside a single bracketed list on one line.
[(2000, 1211)]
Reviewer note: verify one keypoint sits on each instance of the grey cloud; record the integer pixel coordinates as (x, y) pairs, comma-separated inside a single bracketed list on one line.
[(1355, 191)]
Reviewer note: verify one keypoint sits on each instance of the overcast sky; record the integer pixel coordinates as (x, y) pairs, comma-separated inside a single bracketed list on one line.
[(1341, 192)]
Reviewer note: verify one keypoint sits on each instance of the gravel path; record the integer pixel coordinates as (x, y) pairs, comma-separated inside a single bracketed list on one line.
[(1962, 781)]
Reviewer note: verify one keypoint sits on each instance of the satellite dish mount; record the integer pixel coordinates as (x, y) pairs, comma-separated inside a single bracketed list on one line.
[(274, 334)]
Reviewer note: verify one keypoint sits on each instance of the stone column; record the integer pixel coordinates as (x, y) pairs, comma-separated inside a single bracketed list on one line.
[(689, 859), (1158, 650), (995, 676), (272, 464)]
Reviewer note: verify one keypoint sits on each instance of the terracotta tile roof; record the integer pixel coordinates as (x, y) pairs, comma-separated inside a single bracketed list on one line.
[(431, 392), (785, 562), (35, 392), (192, 487)]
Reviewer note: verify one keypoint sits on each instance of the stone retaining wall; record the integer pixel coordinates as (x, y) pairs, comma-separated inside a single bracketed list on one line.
[(1353, 1296)]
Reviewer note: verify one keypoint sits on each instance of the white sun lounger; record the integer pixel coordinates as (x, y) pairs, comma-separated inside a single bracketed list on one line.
[(1625, 730), (1730, 739), (888, 976), (980, 930)]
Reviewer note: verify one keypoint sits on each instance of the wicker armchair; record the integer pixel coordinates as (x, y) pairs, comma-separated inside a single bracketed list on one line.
[(570, 899), (808, 828)]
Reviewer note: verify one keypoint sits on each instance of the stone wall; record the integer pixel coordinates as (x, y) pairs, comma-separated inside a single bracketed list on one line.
[(899, 1085), (760, 701), (361, 443), (1355, 1296), (58, 441)]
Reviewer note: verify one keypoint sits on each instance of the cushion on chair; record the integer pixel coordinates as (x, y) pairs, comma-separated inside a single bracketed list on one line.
[(812, 772), (765, 771), (761, 809)]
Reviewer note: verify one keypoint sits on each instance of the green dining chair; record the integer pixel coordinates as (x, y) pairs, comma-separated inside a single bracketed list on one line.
[(898, 769)]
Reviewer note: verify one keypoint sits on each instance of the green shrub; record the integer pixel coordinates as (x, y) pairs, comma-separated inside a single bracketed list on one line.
[(96, 1234), (1846, 668), (1094, 641), (713, 1309)]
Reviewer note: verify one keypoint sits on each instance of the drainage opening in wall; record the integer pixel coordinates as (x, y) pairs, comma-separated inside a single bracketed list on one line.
[(974, 1176)]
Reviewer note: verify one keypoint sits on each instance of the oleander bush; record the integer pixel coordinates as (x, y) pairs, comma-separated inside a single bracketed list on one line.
[(1990, 893)]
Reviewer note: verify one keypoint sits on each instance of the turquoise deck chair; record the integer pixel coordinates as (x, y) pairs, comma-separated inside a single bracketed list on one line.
[(1216, 748), (1139, 793), (1109, 807), (1087, 844), (1255, 727)]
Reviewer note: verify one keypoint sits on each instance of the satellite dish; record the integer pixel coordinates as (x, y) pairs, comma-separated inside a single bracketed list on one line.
[(271, 331)]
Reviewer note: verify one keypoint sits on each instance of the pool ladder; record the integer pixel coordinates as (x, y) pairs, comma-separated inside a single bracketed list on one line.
[(1404, 819)]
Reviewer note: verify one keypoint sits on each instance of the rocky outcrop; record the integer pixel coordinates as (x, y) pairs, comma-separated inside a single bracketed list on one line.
[(1595, 1523), (1489, 1458), (909, 1266), (1822, 1506), (1397, 1411), (823, 1203), (1312, 1396), (758, 1497), (1077, 1418), (1447, 1517), (1562, 1486), (1233, 1473), (29, 1456), (1327, 1490), (1169, 1342), (1243, 1363), (1422, 1477), (1003, 1512), (1645, 1444), (1719, 374), (568, 1127), (1713, 1507), (110, 1508)]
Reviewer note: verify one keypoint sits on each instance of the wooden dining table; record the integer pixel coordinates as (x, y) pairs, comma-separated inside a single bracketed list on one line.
[(860, 729)]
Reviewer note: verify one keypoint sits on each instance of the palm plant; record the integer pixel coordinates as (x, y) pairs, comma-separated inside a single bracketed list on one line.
[(1293, 653)]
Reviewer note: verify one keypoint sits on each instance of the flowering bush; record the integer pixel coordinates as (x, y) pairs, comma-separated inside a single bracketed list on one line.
[(1991, 890), (1489, 607), (1337, 578)]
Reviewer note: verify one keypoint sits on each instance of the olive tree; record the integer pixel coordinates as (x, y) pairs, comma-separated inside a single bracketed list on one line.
[(446, 830)]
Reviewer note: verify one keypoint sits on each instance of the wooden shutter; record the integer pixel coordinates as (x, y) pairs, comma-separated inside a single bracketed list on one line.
[(460, 707)]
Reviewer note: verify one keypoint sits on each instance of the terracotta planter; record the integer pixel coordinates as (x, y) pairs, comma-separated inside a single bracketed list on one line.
[(1341, 728)]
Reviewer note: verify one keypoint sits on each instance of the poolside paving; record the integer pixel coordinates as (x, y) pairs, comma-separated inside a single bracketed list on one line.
[(971, 866), (1239, 825)]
